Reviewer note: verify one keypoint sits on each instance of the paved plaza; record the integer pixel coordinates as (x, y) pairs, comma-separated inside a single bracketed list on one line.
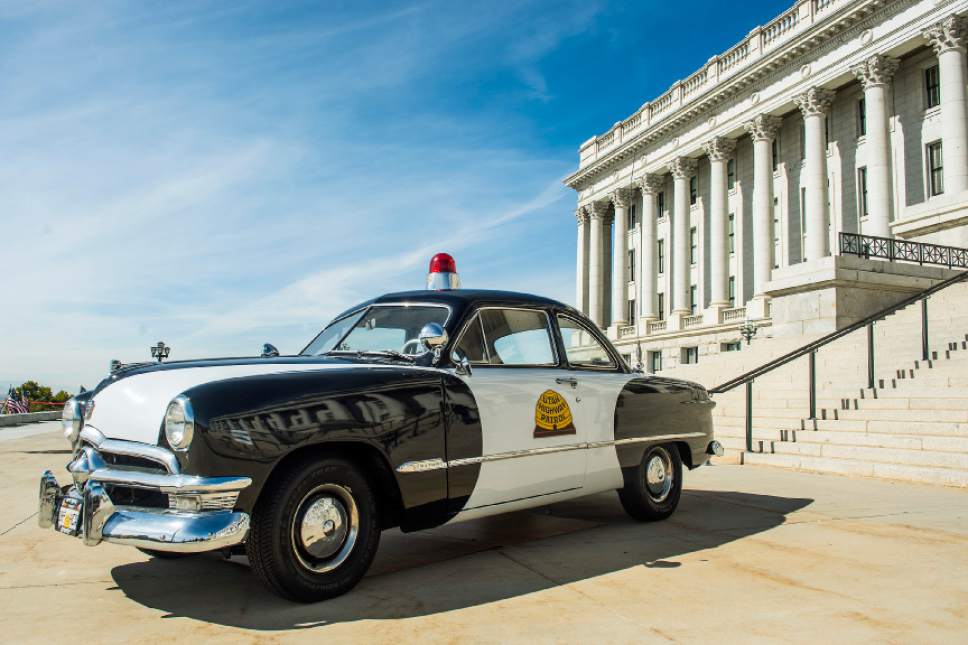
[(753, 554)]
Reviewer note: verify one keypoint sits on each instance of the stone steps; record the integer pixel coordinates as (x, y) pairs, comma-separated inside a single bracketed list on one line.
[(863, 468)]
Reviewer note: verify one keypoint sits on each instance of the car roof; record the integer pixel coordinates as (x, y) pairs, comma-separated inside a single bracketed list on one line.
[(459, 299)]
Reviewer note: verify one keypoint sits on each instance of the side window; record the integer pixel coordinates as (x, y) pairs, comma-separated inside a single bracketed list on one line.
[(507, 337), (582, 349), (517, 337)]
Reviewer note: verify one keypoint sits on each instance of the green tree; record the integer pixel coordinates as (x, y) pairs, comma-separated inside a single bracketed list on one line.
[(37, 394)]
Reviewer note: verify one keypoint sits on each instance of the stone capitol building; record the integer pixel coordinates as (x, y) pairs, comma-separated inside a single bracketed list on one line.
[(725, 202)]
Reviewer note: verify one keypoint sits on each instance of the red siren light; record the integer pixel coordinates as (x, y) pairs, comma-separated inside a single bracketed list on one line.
[(443, 273)]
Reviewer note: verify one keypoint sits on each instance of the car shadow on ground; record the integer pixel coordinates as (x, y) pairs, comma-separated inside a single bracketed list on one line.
[(466, 564)]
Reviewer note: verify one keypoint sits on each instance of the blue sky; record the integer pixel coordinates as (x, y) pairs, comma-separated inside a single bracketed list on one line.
[(218, 175)]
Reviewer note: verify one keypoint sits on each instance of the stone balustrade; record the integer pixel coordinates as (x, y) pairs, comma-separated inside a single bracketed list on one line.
[(761, 41)]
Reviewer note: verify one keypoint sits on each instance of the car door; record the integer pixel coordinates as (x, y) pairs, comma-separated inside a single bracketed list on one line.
[(532, 443), (598, 381)]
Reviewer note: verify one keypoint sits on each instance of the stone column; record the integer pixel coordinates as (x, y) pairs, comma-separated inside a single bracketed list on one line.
[(719, 150), (596, 245), (581, 272), (682, 168), (651, 185), (762, 129), (620, 277), (875, 75), (948, 38), (814, 104)]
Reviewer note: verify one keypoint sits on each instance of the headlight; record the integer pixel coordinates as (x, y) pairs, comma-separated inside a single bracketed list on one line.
[(179, 423), (72, 419)]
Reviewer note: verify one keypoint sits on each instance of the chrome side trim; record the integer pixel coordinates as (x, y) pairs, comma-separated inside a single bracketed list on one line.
[(421, 466), (426, 465)]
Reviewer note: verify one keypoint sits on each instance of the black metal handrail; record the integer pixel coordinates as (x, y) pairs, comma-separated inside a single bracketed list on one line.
[(893, 249), (810, 349)]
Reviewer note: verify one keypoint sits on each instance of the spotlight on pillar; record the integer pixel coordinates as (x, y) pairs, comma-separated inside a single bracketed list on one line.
[(748, 330), (443, 273)]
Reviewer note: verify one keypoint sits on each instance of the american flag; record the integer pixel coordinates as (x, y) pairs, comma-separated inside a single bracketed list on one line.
[(12, 405)]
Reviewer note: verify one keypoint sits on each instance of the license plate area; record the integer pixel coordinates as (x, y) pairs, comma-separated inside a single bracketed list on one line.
[(69, 515)]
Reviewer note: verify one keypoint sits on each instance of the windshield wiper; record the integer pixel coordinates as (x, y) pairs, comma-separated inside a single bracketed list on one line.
[(389, 353)]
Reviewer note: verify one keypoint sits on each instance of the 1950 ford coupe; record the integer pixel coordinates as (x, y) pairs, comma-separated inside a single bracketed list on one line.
[(410, 410)]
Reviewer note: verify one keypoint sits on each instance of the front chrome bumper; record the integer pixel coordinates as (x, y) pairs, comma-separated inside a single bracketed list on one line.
[(200, 516)]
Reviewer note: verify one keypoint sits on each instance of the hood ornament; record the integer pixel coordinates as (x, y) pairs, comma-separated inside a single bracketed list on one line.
[(269, 351)]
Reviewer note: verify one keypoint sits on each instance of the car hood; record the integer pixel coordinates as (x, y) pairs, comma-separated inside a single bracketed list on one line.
[(131, 404)]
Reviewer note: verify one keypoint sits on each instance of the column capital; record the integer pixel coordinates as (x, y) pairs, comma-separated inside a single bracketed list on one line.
[(581, 214), (650, 184), (719, 148), (876, 70), (597, 210), (620, 197), (763, 127), (815, 101), (682, 167), (950, 33)]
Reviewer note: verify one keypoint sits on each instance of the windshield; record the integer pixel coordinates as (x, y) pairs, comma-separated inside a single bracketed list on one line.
[(380, 328)]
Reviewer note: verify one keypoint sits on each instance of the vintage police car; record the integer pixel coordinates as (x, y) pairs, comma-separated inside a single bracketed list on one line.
[(412, 410)]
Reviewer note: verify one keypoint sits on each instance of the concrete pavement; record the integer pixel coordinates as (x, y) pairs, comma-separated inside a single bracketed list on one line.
[(753, 554)]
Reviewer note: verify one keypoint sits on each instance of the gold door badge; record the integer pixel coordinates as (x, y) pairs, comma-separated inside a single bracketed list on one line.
[(552, 416)]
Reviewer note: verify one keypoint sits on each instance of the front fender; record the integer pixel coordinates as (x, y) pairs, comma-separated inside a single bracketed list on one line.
[(247, 426)]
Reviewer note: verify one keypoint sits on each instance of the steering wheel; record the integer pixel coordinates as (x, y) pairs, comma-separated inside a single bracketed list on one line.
[(413, 341)]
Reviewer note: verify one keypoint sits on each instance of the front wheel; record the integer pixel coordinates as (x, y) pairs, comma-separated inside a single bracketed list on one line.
[(315, 532), (652, 489)]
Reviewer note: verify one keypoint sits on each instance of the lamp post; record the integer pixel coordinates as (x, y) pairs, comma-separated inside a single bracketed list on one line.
[(748, 330), (160, 351)]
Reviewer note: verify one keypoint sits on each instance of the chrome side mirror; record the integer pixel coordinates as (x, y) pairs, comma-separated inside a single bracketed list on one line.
[(434, 337), (269, 351)]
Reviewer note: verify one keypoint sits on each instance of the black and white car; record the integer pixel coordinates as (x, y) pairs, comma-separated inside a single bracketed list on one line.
[(410, 410)]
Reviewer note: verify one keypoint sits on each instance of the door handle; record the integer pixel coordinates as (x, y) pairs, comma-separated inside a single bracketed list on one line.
[(562, 380)]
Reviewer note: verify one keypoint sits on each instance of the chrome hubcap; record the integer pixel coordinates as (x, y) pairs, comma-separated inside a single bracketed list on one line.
[(325, 527), (659, 474)]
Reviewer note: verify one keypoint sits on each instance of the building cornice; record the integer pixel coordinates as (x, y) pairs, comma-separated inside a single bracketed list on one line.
[(839, 18)]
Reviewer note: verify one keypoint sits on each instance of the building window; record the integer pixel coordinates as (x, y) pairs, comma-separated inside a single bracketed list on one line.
[(631, 312), (692, 300), (803, 141), (733, 346), (775, 154), (660, 254), (732, 291), (690, 355), (630, 220), (693, 238), (731, 174), (693, 190), (826, 129), (661, 308), (861, 118), (935, 169), (732, 233), (932, 87), (655, 362), (631, 264), (776, 232), (660, 203), (862, 192)]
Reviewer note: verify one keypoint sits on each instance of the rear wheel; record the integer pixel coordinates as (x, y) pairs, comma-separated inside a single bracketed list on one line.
[(652, 489), (315, 532)]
